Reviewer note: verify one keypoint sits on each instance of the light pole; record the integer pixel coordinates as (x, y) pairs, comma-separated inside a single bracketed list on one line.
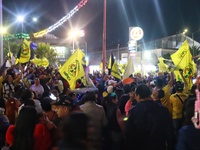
[(192, 33), (74, 34), (118, 52), (1, 35), (85, 48)]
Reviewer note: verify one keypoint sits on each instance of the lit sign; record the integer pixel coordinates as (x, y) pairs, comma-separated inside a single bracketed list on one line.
[(136, 33)]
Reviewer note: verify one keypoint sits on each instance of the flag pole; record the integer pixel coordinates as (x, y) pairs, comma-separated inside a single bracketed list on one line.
[(104, 37)]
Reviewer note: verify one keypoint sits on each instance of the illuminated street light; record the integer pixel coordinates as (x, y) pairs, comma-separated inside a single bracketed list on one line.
[(74, 34), (35, 19), (20, 18), (3, 30)]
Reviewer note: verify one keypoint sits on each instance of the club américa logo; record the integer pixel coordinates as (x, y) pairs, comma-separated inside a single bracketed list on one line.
[(74, 68), (24, 49)]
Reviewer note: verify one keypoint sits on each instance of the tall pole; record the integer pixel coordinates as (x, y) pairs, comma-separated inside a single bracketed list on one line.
[(1, 34), (73, 45), (85, 48), (193, 43), (118, 53), (104, 37)]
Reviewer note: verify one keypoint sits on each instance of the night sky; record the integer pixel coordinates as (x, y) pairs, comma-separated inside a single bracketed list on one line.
[(158, 18)]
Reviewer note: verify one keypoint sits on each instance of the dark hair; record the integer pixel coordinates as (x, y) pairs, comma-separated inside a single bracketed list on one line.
[(29, 102), (143, 91), (25, 95), (2, 103), (46, 104), (71, 94), (161, 94), (24, 129), (111, 96), (75, 128), (159, 82), (188, 110), (46, 94), (89, 96)]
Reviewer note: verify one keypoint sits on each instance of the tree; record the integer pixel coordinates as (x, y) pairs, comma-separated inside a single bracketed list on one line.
[(11, 46), (51, 56), (44, 50)]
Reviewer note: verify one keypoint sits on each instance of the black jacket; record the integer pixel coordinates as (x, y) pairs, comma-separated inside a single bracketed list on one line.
[(149, 126)]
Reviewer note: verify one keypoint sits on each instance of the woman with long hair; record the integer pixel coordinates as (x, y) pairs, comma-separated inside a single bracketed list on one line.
[(28, 134), (20, 136), (115, 123)]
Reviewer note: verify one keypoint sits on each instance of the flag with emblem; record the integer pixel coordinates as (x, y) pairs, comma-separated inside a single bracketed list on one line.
[(24, 53), (73, 69), (115, 71), (182, 58), (41, 62)]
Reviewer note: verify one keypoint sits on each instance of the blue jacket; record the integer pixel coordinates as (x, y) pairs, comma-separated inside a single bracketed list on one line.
[(188, 138)]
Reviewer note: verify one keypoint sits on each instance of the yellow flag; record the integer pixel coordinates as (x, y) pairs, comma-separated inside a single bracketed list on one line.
[(73, 69), (40, 33), (115, 71), (183, 60), (161, 65), (111, 61), (101, 66), (129, 69), (41, 62), (25, 52)]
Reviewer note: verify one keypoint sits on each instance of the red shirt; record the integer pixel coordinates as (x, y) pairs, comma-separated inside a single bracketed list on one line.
[(42, 137)]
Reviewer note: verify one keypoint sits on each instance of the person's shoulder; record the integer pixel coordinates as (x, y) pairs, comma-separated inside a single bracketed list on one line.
[(10, 129), (166, 87), (39, 128)]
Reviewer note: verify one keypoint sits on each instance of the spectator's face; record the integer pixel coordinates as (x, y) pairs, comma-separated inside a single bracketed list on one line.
[(132, 94), (10, 79), (37, 82), (154, 94), (62, 111)]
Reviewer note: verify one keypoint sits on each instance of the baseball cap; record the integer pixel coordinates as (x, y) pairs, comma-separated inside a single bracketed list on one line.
[(110, 82), (64, 101)]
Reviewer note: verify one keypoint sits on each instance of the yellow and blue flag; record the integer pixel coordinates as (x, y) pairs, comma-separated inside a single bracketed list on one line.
[(24, 53)]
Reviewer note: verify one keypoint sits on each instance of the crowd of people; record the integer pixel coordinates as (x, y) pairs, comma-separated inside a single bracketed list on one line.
[(38, 111)]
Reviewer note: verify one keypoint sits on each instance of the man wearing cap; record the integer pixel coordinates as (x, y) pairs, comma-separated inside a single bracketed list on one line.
[(63, 108), (177, 101)]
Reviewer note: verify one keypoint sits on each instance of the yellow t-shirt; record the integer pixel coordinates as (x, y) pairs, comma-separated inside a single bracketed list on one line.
[(165, 101), (177, 105)]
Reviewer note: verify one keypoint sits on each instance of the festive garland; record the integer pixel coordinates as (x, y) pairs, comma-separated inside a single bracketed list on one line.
[(62, 20)]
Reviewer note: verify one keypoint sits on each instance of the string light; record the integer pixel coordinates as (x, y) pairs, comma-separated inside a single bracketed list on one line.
[(67, 17)]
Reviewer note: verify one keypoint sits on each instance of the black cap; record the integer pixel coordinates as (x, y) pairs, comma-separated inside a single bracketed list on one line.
[(64, 101)]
